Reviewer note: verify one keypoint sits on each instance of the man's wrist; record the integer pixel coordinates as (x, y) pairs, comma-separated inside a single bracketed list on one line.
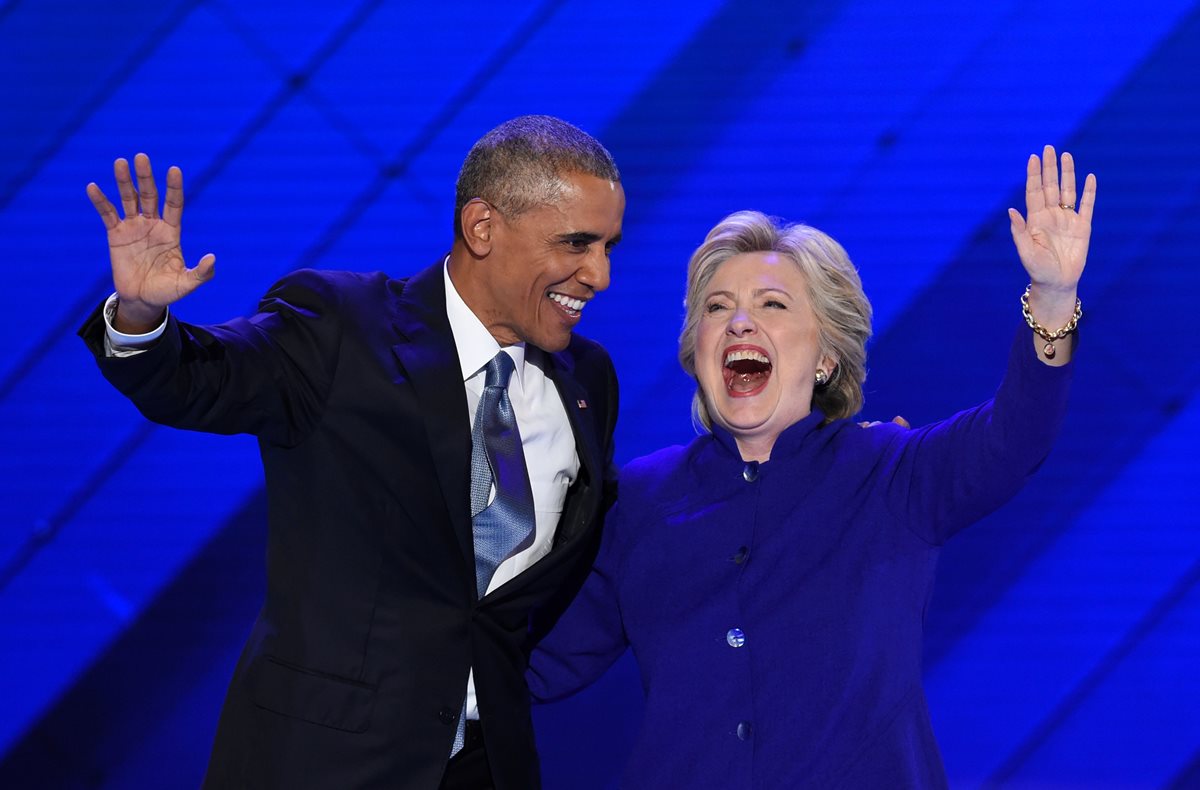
[(122, 338)]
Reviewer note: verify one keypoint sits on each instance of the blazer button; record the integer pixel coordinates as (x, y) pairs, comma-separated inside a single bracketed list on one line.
[(447, 716), (750, 472), (743, 730)]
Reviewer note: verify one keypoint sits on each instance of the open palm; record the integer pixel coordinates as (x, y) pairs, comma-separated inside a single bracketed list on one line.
[(149, 271), (1052, 240)]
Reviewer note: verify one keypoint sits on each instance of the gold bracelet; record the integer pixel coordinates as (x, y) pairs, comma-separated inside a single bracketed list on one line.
[(1043, 332)]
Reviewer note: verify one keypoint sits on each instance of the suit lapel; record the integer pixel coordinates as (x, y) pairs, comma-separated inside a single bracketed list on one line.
[(591, 460), (429, 363)]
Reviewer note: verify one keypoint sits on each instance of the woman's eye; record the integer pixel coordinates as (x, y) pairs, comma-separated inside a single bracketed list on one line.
[(775, 304), (714, 307)]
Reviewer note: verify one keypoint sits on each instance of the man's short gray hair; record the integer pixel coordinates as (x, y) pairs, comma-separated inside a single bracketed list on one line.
[(521, 163)]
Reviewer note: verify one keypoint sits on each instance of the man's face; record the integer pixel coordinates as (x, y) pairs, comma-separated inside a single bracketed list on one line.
[(546, 264)]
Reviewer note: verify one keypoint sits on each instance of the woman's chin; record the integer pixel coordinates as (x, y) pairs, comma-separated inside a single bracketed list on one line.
[(744, 422)]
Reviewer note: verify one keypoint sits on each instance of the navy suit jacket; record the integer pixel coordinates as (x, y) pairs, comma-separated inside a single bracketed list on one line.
[(356, 668)]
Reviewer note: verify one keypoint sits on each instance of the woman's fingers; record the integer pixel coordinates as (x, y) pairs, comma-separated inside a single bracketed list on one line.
[(1088, 201), (1050, 177), (1068, 180), (1035, 196), (1018, 222)]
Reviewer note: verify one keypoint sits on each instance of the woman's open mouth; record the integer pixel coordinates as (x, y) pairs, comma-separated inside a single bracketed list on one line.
[(747, 370)]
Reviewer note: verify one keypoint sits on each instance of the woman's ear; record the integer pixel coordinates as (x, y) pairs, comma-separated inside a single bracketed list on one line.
[(829, 364)]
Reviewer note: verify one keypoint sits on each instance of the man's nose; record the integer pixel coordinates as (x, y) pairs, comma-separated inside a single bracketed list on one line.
[(595, 271)]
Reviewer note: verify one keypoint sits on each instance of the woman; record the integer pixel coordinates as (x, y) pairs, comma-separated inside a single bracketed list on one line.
[(772, 576)]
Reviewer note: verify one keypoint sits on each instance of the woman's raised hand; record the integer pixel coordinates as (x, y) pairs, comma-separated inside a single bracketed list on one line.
[(1052, 239)]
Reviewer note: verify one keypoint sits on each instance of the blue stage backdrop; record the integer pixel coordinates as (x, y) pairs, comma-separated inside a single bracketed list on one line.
[(1063, 643)]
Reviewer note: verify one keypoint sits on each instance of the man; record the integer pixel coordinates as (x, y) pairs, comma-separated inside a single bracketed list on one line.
[(391, 637)]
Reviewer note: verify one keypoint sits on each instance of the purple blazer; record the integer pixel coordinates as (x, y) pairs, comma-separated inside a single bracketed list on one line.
[(776, 609)]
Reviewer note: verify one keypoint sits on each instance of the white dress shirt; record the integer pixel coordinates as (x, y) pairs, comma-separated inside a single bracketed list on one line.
[(546, 435)]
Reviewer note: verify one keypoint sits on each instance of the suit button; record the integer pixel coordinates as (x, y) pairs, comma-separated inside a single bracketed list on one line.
[(750, 472), (743, 730), (736, 637), (447, 716)]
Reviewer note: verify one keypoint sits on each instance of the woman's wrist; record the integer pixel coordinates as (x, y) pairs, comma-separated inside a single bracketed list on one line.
[(1052, 307)]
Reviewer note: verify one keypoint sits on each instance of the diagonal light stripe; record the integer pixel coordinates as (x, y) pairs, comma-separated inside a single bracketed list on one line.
[(1058, 624)]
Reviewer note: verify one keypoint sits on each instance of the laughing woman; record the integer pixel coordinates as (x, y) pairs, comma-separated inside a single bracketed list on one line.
[(771, 576)]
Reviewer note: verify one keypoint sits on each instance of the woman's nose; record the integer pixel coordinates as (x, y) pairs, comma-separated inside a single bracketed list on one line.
[(740, 323)]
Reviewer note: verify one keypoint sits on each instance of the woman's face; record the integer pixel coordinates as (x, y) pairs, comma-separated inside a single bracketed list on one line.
[(757, 349)]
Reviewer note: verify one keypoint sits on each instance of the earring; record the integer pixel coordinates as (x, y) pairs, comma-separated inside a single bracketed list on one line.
[(821, 378)]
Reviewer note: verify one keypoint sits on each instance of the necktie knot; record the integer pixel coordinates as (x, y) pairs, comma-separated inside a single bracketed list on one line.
[(499, 370)]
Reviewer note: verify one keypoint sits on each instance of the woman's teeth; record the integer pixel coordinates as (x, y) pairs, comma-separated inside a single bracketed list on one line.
[(746, 370), (746, 353)]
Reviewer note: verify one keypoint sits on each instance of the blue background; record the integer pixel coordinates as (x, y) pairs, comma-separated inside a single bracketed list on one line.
[(1064, 640)]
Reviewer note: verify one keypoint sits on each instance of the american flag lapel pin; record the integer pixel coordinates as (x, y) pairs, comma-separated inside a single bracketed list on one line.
[(581, 404)]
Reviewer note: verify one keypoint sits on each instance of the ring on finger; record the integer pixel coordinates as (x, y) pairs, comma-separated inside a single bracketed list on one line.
[(1067, 206)]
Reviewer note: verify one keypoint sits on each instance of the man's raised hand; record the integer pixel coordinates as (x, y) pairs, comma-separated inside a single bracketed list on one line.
[(148, 268)]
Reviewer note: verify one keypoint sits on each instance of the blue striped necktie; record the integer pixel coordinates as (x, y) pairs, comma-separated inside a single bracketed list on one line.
[(506, 525), (497, 457)]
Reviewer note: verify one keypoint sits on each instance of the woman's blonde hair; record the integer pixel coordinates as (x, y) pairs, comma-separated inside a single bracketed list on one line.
[(834, 291)]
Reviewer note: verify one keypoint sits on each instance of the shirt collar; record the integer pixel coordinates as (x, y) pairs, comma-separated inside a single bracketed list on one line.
[(474, 342)]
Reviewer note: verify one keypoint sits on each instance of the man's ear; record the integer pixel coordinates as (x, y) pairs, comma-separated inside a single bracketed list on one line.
[(477, 218)]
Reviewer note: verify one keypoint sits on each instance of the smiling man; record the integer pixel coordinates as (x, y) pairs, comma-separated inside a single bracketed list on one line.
[(437, 449)]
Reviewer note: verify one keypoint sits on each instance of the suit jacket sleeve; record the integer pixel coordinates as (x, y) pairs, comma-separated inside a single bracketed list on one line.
[(266, 375)]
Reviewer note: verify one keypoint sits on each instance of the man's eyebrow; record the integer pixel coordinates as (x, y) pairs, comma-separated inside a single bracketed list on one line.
[(580, 236), (585, 237)]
